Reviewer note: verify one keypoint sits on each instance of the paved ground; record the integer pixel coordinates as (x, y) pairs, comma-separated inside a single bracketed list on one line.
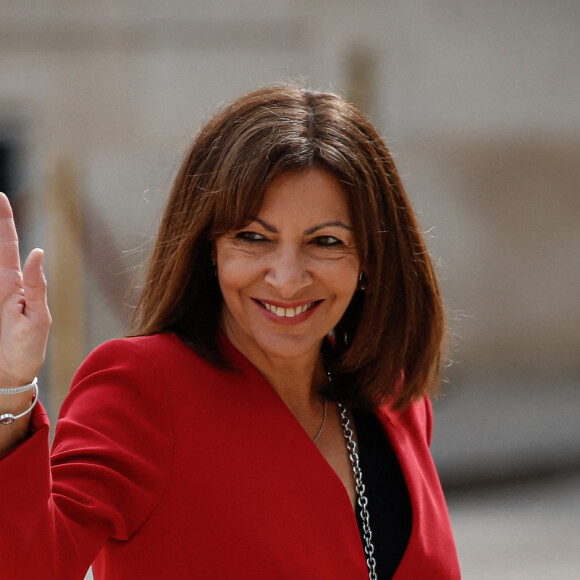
[(525, 531), (508, 453)]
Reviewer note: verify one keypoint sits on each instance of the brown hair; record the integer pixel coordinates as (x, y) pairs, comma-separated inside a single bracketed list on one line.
[(388, 343)]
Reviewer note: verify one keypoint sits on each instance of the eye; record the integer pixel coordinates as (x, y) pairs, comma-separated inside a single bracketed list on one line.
[(249, 236), (327, 241)]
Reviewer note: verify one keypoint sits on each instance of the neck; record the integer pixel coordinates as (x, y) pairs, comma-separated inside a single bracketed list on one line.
[(299, 388), (297, 380), (297, 384)]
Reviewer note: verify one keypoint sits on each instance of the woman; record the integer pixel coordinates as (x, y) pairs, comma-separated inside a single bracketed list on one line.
[(290, 319)]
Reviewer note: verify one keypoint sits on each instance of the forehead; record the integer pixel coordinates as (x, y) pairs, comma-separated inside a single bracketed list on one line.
[(313, 193)]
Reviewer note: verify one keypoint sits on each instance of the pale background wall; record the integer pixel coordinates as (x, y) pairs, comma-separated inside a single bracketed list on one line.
[(480, 102)]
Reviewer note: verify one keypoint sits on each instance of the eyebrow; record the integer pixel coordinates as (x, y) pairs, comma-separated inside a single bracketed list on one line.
[(336, 223)]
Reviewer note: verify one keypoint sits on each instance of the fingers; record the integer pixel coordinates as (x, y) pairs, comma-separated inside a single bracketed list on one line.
[(9, 257), (25, 322), (33, 279)]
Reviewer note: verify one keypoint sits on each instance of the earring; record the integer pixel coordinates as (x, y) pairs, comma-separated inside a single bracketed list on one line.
[(214, 267), (362, 282)]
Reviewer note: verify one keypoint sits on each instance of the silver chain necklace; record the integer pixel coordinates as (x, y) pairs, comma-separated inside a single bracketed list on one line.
[(351, 447)]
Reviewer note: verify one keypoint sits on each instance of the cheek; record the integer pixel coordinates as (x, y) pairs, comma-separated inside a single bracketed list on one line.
[(235, 275), (229, 280), (344, 279), (349, 291)]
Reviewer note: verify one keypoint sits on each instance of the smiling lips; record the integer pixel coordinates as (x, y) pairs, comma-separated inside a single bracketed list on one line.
[(283, 312)]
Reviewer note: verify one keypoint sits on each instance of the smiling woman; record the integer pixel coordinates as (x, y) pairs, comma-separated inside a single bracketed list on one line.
[(269, 418), (288, 277), (395, 328)]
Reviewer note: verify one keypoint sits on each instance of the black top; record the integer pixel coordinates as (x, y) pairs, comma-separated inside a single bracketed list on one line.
[(389, 504)]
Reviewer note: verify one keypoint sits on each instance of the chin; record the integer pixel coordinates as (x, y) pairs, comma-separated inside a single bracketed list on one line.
[(288, 346)]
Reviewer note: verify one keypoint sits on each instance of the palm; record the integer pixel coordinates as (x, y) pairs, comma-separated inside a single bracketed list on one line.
[(24, 315)]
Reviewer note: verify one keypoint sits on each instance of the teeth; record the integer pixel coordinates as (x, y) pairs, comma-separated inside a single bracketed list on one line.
[(286, 312)]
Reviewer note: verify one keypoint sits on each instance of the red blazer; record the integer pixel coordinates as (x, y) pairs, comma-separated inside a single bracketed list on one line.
[(166, 467)]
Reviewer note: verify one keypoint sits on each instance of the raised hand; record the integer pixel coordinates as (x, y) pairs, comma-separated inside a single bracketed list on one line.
[(24, 315)]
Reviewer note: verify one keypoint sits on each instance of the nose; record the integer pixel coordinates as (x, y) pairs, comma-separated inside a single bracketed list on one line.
[(288, 273)]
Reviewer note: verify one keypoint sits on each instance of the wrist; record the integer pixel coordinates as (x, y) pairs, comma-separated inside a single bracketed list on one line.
[(13, 381), (17, 402), (33, 384)]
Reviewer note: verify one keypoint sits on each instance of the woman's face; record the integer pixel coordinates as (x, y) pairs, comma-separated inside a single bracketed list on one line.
[(288, 277)]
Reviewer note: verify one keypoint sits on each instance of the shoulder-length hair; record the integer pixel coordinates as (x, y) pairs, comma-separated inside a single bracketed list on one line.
[(387, 346)]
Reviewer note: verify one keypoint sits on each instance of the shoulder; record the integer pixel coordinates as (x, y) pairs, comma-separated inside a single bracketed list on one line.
[(140, 354), (155, 365), (146, 345), (416, 419), (131, 369)]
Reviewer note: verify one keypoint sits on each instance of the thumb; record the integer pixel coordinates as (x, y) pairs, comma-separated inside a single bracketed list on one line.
[(33, 279)]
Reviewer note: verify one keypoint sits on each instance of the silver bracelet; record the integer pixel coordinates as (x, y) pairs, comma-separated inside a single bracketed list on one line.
[(9, 418), (17, 390)]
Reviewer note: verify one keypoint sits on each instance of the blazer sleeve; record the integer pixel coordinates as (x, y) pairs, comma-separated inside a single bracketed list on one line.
[(111, 460)]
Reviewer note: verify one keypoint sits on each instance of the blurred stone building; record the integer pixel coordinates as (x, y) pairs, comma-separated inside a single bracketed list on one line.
[(479, 101)]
